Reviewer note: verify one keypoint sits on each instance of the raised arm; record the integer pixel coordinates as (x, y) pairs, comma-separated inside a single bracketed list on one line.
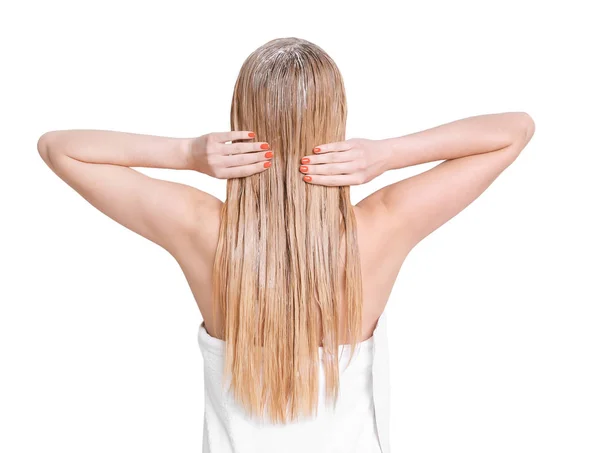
[(97, 165), (475, 151)]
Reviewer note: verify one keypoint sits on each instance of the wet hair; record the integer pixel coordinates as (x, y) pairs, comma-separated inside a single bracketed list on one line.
[(283, 243)]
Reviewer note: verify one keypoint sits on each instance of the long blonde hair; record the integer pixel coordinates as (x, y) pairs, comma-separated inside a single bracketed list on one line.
[(276, 284)]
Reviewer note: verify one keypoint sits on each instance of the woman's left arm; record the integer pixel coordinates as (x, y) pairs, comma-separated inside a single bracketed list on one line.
[(97, 165)]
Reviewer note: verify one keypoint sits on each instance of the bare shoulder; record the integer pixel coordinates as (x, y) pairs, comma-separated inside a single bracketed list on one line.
[(382, 253), (379, 234), (196, 252)]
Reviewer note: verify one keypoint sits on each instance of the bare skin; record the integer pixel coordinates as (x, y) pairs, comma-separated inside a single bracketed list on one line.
[(391, 221)]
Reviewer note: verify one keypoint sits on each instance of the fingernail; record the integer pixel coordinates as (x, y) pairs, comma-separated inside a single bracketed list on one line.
[(317, 150), (264, 146), (268, 154), (267, 164), (305, 160), (251, 134), (307, 178), (303, 168)]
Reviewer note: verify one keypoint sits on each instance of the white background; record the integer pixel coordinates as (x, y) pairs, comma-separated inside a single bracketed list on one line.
[(494, 318)]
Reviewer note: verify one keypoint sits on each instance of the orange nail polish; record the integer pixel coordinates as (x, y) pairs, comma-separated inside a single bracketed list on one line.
[(268, 154), (305, 160), (264, 146), (307, 179), (267, 164), (303, 168), (251, 134), (317, 150)]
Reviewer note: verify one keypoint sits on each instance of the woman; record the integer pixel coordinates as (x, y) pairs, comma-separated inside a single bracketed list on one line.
[(293, 329)]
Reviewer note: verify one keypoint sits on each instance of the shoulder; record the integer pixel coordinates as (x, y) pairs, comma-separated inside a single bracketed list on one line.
[(377, 227), (201, 229), (383, 246)]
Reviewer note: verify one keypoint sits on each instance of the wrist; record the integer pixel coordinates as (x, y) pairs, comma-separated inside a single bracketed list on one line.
[(388, 150), (398, 152), (184, 147)]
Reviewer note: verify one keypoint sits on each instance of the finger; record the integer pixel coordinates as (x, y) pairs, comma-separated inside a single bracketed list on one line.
[(245, 170), (337, 180), (330, 147), (247, 159), (342, 156), (330, 169), (241, 147), (223, 137)]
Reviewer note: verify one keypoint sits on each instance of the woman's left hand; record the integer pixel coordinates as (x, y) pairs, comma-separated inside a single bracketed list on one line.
[(212, 155), (351, 162)]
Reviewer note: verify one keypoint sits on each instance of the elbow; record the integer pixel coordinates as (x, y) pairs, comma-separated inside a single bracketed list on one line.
[(528, 126), (525, 128), (45, 145), (523, 131)]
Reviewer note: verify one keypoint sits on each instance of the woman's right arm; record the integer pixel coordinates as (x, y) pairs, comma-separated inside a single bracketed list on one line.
[(475, 151)]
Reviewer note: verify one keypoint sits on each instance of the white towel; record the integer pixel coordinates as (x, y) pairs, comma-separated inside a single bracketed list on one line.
[(360, 422)]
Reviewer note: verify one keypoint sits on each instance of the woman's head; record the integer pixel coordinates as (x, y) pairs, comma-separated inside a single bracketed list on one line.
[(283, 243), (290, 92)]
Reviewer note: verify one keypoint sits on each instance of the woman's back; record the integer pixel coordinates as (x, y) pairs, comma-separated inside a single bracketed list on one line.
[(360, 421), (381, 259)]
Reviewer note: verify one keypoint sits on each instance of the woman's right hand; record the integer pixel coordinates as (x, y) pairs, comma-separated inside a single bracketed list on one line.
[(217, 155), (351, 162)]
